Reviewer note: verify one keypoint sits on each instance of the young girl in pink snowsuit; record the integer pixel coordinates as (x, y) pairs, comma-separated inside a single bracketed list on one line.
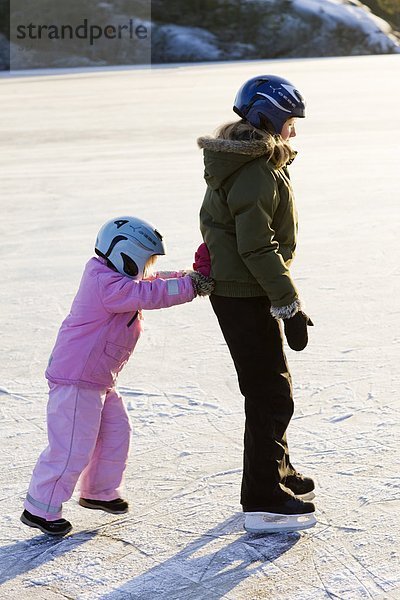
[(88, 425)]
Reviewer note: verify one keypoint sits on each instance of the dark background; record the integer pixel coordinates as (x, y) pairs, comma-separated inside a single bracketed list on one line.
[(231, 26)]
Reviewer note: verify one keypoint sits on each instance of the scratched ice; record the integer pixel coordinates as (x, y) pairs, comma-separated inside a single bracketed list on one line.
[(80, 147)]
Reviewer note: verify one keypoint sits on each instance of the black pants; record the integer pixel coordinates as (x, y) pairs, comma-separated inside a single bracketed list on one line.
[(254, 340)]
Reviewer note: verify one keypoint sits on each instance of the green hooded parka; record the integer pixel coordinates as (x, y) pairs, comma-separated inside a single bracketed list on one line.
[(248, 220)]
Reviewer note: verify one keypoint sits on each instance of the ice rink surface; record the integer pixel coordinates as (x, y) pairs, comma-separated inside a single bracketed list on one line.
[(79, 148)]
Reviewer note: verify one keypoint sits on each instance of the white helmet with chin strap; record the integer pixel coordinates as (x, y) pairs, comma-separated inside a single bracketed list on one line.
[(128, 243)]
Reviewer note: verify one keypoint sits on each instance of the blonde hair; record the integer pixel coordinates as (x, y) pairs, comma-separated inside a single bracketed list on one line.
[(278, 151), (148, 270)]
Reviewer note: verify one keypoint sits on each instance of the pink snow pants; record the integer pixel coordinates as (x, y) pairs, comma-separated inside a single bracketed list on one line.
[(89, 433)]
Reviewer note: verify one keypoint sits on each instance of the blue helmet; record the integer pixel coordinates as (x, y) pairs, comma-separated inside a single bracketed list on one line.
[(268, 97), (128, 243)]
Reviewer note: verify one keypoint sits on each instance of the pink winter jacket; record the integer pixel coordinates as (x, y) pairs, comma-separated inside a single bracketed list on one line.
[(99, 335)]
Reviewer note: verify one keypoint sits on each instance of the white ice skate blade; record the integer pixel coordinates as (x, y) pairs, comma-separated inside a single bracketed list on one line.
[(265, 522), (306, 497)]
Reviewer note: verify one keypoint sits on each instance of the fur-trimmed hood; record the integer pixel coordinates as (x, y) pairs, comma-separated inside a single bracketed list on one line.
[(253, 148), (223, 157)]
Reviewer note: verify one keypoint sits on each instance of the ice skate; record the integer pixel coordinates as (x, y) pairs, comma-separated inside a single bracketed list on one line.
[(265, 522), (118, 506), (292, 514), (58, 527)]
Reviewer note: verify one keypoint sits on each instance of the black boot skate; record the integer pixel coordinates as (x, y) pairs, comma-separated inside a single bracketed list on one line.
[(58, 527), (286, 512), (118, 506)]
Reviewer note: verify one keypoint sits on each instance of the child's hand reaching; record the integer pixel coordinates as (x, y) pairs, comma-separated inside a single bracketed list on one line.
[(203, 286)]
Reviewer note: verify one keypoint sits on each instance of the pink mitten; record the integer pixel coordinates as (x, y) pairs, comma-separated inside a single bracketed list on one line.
[(202, 261)]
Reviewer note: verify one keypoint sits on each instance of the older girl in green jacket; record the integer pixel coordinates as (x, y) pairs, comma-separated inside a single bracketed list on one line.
[(249, 224)]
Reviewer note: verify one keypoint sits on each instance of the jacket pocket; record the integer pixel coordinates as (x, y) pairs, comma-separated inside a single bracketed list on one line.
[(119, 353), (111, 360)]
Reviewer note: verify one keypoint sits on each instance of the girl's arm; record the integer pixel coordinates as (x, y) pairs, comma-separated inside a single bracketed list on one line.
[(121, 294), (165, 275)]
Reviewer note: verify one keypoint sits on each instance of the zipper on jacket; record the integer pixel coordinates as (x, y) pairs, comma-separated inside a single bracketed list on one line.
[(133, 319)]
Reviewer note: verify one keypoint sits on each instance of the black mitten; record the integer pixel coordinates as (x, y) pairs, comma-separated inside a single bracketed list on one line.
[(296, 330)]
